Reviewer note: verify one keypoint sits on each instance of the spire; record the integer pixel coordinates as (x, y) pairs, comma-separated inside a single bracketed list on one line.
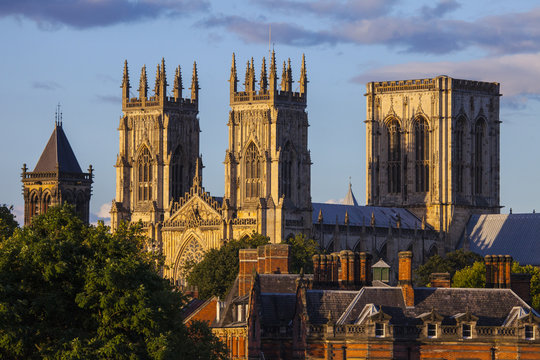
[(346, 217), (197, 179), (195, 84), (233, 79), (158, 81), (320, 218), (289, 75), (303, 77), (273, 75), (264, 79), (284, 78), (178, 83), (349, 198), (58, 116), (58, 153), (161, 85), (143, 84), (125, 82)]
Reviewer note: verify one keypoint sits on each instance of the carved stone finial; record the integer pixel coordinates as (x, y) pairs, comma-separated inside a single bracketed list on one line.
[(320, 218)]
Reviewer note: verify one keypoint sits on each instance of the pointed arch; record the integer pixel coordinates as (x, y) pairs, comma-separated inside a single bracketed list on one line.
[(382, 252), (80, 205), (176, 174), (421, 149), (393, 135), (433, 250), (34, 204), (144, 175), (479, 148), (47, 199), (191, 252), (459, 153), (252, 171)]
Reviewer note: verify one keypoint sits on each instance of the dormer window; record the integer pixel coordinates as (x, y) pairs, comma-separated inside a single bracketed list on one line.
[(529, 332), (466, 331), (431, 330), (379, 329)]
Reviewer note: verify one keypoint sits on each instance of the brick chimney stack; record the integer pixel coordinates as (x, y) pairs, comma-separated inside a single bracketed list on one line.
[(405, 277), (498, 271)]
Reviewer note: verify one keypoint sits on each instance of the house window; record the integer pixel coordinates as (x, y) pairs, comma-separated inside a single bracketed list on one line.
[(394, 157), (529, 332), (421, 145), (432, 330), (466, 331), (379, 329)]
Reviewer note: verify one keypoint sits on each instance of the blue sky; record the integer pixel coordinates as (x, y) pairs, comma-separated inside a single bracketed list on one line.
[(72, 52)]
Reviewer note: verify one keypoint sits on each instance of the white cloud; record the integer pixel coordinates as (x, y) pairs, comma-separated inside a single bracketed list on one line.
[(334, 201), (103, 215)]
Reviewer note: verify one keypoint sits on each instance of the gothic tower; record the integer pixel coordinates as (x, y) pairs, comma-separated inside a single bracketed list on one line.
[(159, 146), (56, 179), (433, 147), (267, 163)]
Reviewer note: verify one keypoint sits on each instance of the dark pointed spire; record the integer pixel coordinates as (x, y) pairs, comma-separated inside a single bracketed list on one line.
[(264, 79), (178, 86), (194, 83), (143, 84), (303, 76), (125, 82), (58, 154), (234, 78)]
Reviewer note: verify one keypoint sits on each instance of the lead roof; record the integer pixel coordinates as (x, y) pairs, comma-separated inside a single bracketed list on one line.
[(58, 153)]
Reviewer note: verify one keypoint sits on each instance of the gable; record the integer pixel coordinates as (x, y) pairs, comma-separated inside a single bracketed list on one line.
[(195, 212)]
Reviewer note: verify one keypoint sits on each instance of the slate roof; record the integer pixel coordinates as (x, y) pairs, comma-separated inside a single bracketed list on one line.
[(277, 309), (324, 303), (491, 306), (361, 215), (279, 283), (390, 299), (517, 235), (58, 152)]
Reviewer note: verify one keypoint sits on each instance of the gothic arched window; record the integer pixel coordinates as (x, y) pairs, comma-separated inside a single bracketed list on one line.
[(144, 168), (34, 205), (177, 174), (80, 205), (479, 135), (421, 147), (287, 171), (459, 160), (394, 156), (253, 172), (46, 202)]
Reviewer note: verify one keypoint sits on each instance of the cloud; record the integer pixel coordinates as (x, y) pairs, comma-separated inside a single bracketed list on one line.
[(253, 31), (103, 215), (341, 10), (94, 13), (518, 74), (426, 32), (334, 201), (46, 85)]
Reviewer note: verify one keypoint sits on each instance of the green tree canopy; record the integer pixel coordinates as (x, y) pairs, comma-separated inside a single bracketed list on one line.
[(451, 262), (8, 224), (535, 281), (216, 273), (473, 276), (302, 250), (73, 291)]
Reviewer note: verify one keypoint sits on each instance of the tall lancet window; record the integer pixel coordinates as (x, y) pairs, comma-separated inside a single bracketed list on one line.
[(459, 160), (253, 172), (394, 157), (34, 205), (46, 201), (479, 136), (144, 167), (421, 147), (287, 171), (177, 174)]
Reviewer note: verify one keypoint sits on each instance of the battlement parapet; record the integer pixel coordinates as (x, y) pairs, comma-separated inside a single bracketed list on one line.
[(432, 84)]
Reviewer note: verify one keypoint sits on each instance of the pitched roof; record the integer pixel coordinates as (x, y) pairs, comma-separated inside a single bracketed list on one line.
[(349, 198), (58, 152), (361, 215), (517, 235), (277, 309), (280, 283)]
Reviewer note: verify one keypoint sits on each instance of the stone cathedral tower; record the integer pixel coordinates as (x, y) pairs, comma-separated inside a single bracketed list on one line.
[(159, 147), (267, 163), (56, 179), (432, 146)]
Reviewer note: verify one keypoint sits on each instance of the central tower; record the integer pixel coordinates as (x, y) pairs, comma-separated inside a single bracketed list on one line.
[(267, 163)]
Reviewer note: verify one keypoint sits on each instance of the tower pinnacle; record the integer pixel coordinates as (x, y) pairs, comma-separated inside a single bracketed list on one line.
[(264, 79), (143, 84), (195, 83), (125, 82), (178, 83)]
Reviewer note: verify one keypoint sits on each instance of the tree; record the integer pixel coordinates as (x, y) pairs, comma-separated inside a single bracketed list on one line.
[(471, 276), (451, 262), (302, 251), (216, 273), (8, 224), (535, 281), (74, 291)]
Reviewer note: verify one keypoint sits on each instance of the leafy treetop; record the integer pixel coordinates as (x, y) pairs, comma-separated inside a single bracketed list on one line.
[(451, 262)]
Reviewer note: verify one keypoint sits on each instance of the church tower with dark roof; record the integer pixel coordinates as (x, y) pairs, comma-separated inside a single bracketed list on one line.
[(56, 179)]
